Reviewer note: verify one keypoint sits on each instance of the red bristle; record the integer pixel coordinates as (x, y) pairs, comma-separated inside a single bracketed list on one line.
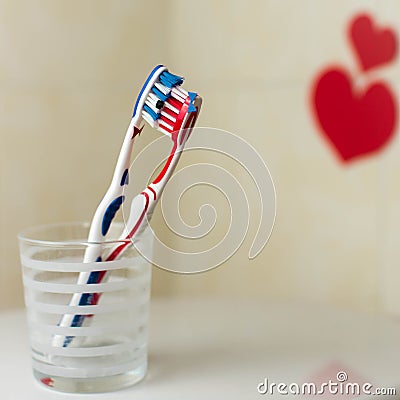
[(169, 112), (177, 104), (167, 121)]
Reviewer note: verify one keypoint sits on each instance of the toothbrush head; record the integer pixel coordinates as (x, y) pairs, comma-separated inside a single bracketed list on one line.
[(171, 109)]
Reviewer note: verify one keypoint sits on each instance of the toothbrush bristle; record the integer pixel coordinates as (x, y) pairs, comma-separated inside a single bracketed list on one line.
[(167, 113), (175, 103), (151, 112), (162, 96), (170, 80), (164, 102), (147, 118)]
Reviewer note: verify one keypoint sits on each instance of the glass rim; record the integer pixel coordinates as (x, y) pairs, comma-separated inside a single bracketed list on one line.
[(26, 235)]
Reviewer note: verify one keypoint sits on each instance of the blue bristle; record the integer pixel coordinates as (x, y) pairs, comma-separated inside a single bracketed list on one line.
[(153, 114), (159, 94), (191, 108), (170, 80), (192, 95)]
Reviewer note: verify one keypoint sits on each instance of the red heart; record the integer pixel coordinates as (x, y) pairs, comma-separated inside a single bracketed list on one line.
[(373, 46), (356, 122)]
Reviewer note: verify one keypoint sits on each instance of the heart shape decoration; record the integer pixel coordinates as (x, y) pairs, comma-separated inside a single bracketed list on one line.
[(356, 122), (373, 46)]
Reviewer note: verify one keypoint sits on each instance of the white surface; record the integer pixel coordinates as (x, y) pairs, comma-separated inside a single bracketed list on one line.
[(222, 349)]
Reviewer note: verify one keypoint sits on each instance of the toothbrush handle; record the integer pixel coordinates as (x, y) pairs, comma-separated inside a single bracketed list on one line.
[(142, 207), (99, 227), (141, 210)]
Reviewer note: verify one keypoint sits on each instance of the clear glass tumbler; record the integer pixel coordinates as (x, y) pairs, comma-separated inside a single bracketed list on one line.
[(103, 347)]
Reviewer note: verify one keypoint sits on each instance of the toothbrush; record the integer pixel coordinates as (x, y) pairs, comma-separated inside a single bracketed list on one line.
[(158, 86), (173, 111), (183, 119), (177, 123)]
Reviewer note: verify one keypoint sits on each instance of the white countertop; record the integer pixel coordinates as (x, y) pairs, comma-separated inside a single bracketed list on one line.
[(222, 349)]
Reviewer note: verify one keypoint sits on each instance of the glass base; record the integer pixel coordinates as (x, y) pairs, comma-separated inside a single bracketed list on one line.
[(91, 385)]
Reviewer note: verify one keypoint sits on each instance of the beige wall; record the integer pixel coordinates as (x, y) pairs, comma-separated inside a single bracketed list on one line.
[(69, 75)]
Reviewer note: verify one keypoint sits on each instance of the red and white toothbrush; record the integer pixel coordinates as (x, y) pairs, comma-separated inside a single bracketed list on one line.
[(177, 121)]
